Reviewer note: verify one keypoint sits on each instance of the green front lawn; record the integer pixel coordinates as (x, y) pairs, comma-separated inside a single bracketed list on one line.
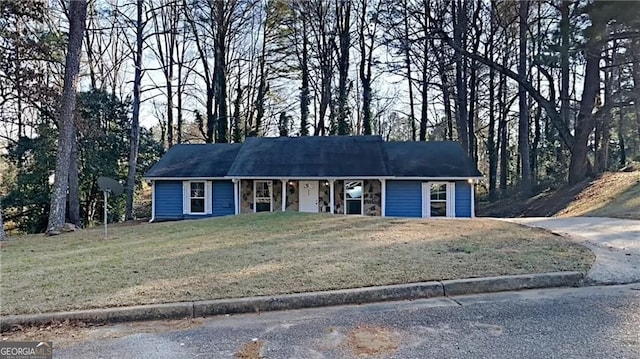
[(264, 254)]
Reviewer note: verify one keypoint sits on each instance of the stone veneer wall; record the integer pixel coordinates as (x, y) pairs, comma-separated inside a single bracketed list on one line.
[(276, 196), (293, 196), (246, 187), (246, 195), (339, 199), (372, 198), (324, 202), (324, 205), (372, 192)]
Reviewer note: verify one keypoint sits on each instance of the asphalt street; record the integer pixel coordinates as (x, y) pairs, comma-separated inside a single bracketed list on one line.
[(588, 322)]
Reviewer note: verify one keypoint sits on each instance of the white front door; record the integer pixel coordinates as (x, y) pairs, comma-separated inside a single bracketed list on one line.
[(308, 193)]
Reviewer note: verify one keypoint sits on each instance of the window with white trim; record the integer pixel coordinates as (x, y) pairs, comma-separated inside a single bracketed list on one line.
[(262, 195), (197, 197), (438, 199), (353, 197), (438, 202)]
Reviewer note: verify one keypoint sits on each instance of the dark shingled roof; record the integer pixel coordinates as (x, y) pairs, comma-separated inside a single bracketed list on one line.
[(429, 159), (323, 157), (196, 160), (328, 156)]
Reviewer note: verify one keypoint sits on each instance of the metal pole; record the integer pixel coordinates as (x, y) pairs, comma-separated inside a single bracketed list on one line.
[(106, 197)]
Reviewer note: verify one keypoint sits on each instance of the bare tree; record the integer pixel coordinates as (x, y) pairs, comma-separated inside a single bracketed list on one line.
[(77, 16), (323, 34), (367, 30), (166, 18), (343, 29), (134, 139), (523, 123), (459, 37)]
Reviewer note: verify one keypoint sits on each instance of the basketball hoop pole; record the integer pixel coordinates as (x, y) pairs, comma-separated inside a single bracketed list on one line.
[(106, 198), (108, 185)]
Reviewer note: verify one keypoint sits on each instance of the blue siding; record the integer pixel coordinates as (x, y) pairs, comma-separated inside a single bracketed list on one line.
[(222, 198), (168, 200), (463, 199), (404, 199)]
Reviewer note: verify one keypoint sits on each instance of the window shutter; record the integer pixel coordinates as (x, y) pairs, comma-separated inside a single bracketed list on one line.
[(186, 196), (208, 202)]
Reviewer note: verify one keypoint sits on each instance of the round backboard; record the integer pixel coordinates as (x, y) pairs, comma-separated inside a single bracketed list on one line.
[(110, 185)]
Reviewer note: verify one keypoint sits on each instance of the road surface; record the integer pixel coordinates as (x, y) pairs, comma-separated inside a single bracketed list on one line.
[(588, 322)]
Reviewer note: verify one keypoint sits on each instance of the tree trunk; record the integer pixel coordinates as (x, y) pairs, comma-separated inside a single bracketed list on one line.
[(502, 130), (366, 63), (473, 95), (491, 136), (169, 89), (424, 93), (77, 16), (459, 31), (537, 131), (74, 190), (211, 116), (579, 165), (179, 94), (304, 89), (636, 83), (623, 150), (564, 61), (603, 117), (343, 17), (237, 131), (523, 123), (407, 60), (262, 85), (3, 235), (134, 138), (220, 69), (424, 113), (446, 98)]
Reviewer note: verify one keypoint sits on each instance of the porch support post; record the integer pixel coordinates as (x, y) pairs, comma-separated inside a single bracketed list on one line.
[(383, 197), (236, 196), (284, 194), (153, 201), (472, 184), (331, 196)]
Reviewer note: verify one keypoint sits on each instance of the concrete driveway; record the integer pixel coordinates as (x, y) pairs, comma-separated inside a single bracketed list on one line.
[(615, 242)]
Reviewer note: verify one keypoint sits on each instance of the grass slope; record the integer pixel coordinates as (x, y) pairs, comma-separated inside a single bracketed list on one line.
[(613, 194), (264, 254)]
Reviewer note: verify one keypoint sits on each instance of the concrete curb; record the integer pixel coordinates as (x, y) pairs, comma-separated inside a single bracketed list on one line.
[(514, 282), (319, 299), (182, 310)]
